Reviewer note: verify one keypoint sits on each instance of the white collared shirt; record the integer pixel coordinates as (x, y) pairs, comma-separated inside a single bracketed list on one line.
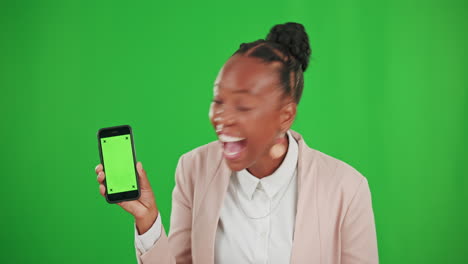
[(256, 223)]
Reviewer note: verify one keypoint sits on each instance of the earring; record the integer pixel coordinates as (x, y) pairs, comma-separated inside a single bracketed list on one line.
[(278, 148)]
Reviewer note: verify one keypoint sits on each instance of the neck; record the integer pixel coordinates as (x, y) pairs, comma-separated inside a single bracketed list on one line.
[(266, 165)]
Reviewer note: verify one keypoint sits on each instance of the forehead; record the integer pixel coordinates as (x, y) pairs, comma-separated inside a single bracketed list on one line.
[(248, 75)]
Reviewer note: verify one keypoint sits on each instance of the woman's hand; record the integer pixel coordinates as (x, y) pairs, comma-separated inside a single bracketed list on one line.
[(144, 210)]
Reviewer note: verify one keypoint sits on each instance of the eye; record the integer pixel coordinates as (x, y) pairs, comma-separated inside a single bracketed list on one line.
[(243, 109), (217, 101)]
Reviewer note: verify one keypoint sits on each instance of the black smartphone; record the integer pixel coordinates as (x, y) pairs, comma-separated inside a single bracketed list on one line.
[(117, 153)]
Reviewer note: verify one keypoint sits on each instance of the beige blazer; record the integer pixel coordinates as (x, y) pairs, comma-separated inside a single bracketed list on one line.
[(334, 218)]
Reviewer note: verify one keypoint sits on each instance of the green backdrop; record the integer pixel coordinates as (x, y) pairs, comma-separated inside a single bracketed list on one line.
[(386, 91)]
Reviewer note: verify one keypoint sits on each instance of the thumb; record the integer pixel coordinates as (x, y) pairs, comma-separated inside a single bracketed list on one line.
[(144, 182)]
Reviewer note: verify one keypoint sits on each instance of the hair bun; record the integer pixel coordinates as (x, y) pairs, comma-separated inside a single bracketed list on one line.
[(294, 39)]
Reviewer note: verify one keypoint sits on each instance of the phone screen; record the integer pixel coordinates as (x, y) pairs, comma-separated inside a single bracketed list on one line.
[(118, 164)]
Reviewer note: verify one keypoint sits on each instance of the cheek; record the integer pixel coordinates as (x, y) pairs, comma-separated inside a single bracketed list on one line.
[(261, 130), (261, 122)]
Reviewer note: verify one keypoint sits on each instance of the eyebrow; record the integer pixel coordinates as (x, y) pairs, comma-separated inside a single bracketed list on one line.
[(242, 91), (236, 91)]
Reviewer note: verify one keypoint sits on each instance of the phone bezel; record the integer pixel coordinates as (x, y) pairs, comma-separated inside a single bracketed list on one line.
[(116, 131)]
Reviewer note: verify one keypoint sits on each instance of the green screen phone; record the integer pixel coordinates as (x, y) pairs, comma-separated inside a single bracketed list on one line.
[(117, 153)]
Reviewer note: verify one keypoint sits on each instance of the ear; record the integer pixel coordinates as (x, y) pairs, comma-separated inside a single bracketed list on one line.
[(287, 115)]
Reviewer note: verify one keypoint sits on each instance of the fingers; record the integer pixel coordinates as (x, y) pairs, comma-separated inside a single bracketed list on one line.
[(101, 176), (102, 190), (144, 182), (98, 168)]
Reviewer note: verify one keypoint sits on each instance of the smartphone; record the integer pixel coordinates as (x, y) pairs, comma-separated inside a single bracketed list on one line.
[(117, 153)]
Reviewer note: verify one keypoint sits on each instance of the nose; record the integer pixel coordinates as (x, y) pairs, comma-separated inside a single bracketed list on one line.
[(222, 119)]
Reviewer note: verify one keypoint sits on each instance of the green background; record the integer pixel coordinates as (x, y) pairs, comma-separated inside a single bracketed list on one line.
[(118, 163), (386, 91)]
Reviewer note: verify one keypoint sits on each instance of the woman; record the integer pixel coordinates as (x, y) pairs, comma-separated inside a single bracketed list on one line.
[(259, 194)]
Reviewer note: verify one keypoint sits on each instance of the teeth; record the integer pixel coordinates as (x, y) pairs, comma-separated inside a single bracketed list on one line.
[(231, 153), (226, 138)]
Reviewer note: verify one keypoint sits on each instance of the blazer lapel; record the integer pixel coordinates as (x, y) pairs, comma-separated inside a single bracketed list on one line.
[(206, 221), (306, 241)]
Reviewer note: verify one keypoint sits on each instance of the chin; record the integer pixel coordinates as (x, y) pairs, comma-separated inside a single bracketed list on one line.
[(234, 166)]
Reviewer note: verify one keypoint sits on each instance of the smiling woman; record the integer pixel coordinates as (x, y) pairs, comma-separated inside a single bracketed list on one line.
[(259, 194), (256, 93)]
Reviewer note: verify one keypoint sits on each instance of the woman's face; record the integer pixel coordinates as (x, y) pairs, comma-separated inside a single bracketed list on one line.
[(249, 112)]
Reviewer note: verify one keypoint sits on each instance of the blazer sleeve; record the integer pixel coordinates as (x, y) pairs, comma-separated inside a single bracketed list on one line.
[(175, 248), (359, 240)]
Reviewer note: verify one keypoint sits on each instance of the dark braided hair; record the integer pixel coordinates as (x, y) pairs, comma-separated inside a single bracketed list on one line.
[(288, 44)]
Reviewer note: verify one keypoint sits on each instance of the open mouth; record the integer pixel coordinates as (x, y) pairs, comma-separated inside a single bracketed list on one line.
[(232, 146)]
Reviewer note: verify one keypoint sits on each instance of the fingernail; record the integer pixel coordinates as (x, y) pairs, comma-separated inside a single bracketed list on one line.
[(139, 166)]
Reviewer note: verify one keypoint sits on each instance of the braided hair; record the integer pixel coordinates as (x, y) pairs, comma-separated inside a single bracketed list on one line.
[(288, 44)]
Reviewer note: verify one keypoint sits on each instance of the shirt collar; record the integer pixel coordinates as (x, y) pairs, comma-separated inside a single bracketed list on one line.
[(271, 184)]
